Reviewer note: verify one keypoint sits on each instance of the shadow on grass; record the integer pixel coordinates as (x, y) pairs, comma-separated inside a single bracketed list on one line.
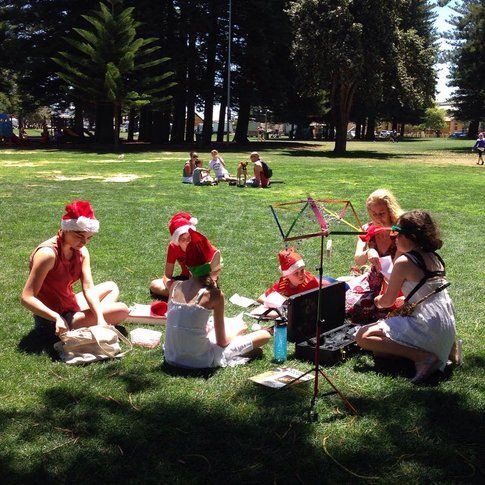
[(37, 342), (351, 154), (79, 435)]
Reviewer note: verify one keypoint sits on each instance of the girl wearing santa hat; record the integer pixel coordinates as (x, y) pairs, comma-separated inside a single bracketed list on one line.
[(178, 227), (58, 263), (191, 340)]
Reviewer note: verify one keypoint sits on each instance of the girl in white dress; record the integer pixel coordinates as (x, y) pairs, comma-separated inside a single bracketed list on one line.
[(426, 335), (192, 340)]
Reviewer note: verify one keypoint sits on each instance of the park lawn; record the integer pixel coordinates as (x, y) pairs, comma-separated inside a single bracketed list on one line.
[(134, 420)]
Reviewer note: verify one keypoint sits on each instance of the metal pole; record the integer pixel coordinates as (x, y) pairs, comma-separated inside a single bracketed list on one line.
[(229, 39)]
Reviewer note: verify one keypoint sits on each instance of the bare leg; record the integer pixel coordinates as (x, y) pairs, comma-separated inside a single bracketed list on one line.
[(108, 292), (114, 313), (260, 338), (158, 287), (372, 337)]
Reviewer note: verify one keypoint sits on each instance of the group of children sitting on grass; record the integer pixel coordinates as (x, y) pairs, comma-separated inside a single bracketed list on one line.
[(195, 173), (425, 335)]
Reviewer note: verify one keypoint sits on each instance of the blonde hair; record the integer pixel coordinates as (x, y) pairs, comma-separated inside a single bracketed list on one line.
[(214, 152), (384, 196)]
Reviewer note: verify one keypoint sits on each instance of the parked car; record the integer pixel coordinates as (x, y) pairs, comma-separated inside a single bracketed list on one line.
[(385, 134), (459, 135), (350, 134)]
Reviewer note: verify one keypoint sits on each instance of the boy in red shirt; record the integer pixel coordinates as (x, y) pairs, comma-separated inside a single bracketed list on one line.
[(178, 226), (295, 279)]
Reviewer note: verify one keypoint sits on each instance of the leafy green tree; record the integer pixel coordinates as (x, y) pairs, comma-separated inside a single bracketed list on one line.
[(434, 119), (467, 72), (103, 63)]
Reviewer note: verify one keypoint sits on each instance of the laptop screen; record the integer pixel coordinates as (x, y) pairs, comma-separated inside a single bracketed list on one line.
[(302, 311)]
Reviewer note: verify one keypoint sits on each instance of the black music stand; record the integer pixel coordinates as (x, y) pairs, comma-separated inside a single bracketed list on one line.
[(324, 232)]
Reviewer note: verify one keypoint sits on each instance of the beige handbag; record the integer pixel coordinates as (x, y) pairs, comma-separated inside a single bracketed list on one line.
[(89, 344)]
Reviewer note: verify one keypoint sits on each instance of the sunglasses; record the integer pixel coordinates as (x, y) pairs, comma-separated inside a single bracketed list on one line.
[(395, 230)]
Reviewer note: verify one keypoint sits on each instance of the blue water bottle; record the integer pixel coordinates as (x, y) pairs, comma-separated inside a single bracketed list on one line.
[(279, 341)]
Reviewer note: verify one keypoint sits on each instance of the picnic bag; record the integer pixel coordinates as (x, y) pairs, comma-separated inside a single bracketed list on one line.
[(268, 173), (89, 344)]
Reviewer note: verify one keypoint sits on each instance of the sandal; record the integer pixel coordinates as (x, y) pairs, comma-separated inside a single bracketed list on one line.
[(425, 367)]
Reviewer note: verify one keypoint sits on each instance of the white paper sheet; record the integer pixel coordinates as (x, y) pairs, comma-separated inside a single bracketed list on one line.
[(386, 266), (241, 301), (274, 300)]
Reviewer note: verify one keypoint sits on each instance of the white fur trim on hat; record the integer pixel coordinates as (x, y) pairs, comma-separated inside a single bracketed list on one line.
[(181, 230), (82, 223), (298, 264)]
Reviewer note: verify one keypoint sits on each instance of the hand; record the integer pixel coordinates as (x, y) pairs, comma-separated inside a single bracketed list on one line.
[(61, 325), (373, 258)]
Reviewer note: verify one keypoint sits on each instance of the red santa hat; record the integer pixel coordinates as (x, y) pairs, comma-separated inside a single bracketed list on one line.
[(79, 216), (158, 309), (372, 231), (179, 224), (290, 261), (201, 257)]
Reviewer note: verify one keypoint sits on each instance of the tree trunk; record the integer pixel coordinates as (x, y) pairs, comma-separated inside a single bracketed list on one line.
[(145, 128), (210, 77), (358, 128), (473, 129), (222, 111), (104, 122), (157, 123), (394, 124), (117, 109), (342, 97), (370, 133), (403, 125), (241, 135), (189, 129), (78, 119), (131, 124)]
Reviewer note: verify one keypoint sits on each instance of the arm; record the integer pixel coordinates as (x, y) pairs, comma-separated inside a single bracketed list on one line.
[(217, 300), (222, 161), (257, 173), (364, 254), (88, 288), (43, 262), (187, 170), (169, 267), (398, 276)]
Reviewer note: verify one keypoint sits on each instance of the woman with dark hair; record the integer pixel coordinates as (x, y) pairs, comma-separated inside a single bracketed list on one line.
[(423, 332), (192, 340)]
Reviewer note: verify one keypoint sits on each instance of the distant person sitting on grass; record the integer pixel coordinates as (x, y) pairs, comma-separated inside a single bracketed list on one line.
[(217, 164), (178, 227), (58, 263), (480, 148), (191, 340), (200, 175), (260, 179), (189, 168)]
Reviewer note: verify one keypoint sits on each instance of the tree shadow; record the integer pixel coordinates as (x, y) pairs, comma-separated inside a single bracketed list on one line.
[(352, 154), (144, 433)]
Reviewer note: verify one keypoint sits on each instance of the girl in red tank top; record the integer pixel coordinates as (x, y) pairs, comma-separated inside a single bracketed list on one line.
[(56, 265)]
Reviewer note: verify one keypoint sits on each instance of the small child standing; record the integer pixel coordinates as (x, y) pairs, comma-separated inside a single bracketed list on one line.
[(178, 226), (217, 164)]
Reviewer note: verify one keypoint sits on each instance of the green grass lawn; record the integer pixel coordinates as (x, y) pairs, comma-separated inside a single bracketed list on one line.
[(135, 421)]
